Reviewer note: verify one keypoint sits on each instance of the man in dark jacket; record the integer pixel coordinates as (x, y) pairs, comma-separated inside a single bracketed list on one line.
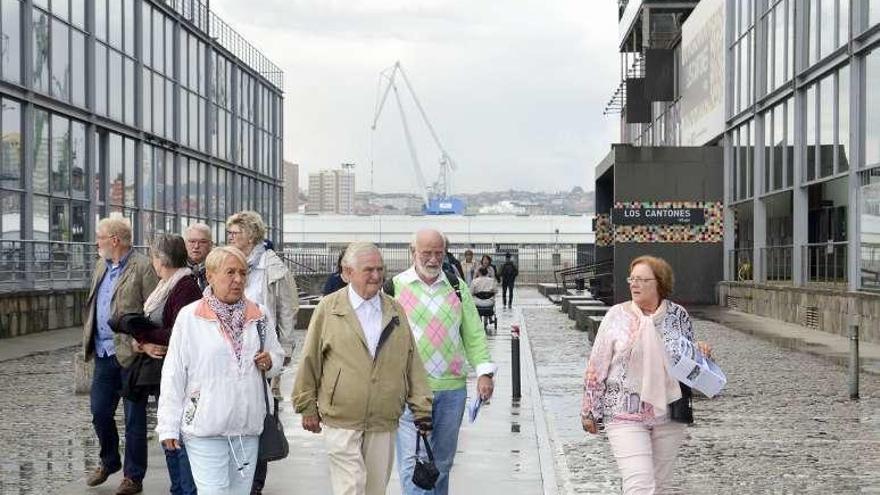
[(509, 271)]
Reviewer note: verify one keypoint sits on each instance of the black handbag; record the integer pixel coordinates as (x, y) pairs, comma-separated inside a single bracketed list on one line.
[(682, 410), (425, 473), (273, 442)]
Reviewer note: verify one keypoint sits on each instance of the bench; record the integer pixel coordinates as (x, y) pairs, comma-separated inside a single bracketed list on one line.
[(566, 301), (548, 290)]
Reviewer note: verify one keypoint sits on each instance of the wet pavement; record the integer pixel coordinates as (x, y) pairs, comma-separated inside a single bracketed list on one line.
[(783, 425), (498, 453)]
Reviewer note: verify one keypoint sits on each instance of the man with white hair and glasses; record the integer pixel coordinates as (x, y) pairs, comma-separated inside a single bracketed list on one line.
[(449, 334)]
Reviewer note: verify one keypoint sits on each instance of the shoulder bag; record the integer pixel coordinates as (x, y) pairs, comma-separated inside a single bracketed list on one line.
[(273, 442)]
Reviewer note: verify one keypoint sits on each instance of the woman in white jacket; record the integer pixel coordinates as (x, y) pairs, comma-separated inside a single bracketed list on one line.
[(212, 384)]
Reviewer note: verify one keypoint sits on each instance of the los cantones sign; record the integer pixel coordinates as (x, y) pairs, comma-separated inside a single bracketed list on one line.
[(658, 216)]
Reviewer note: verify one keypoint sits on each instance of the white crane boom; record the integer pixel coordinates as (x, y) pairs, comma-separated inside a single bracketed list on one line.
[(441, 187)]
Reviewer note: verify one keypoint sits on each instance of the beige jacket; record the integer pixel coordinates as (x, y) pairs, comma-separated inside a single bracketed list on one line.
[(134, 285), (339, 380)]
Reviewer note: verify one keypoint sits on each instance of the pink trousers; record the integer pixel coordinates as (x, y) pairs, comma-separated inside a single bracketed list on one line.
[(645, 455)]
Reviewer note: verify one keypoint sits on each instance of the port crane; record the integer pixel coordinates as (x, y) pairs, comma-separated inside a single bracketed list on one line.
[(436, 198)]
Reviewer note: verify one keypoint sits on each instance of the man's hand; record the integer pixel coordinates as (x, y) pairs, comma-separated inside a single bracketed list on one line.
[(171, 444), (485, 387), (155, 351), (423, 425), (312, 424)]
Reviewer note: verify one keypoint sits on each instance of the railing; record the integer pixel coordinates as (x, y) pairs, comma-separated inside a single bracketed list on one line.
[(741, 264), (825, 263), (777, 262), (578, 277), (201, 16), (308, 263), (536, 262), (44, 265), (870, 276)]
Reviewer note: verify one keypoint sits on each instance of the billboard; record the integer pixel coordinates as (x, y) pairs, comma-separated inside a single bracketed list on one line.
[(702, 74)]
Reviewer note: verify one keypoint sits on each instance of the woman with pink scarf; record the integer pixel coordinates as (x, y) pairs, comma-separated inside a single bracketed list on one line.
[(628, 387)]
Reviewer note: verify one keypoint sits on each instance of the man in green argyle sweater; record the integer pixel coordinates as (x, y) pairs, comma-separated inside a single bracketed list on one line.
[(449, 335)]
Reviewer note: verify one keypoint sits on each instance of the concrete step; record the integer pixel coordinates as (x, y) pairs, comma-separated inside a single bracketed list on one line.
[(572, 308), (304, 315), (566, 301), (547, 290)]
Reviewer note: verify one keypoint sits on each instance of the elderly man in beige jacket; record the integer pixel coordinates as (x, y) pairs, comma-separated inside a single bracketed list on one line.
[(358, 369)]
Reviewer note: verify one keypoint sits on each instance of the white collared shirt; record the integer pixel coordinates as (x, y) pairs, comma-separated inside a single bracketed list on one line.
[(369, 314)]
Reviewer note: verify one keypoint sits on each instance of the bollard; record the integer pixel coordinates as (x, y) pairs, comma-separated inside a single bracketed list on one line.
[(514, 361), (853, 361)]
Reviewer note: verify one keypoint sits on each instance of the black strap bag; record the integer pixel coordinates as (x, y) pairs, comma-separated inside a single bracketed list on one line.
[(273, 442), (425, 473)]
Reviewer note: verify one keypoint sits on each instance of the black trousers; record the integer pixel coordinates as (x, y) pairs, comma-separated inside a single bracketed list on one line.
[(505, 288)]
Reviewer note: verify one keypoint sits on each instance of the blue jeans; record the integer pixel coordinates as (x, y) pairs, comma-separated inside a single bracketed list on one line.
[(179, 472), (223, 465), (448, 409), (104, 399)]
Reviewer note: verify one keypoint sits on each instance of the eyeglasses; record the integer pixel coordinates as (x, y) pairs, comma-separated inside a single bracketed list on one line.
[(638, 281), (233, 233)]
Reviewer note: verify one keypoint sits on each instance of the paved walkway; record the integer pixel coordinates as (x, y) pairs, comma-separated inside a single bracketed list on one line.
[(496, 454)]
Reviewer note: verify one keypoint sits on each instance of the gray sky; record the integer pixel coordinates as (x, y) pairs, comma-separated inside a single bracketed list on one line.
[(514, 88)]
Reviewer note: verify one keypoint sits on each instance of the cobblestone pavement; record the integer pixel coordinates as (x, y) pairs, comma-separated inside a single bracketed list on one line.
[(46, 437), (783, 424)]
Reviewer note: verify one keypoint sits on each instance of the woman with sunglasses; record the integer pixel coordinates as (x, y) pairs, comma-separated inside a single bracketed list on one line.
[(628, 387)]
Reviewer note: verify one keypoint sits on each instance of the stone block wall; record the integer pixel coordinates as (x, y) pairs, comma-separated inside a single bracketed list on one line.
[(823, 309), (38, 311)]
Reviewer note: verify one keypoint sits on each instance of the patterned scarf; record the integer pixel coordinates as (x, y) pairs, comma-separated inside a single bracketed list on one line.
[(231, 317), (647, 369)]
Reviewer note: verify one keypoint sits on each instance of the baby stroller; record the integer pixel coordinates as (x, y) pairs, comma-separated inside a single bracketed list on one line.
[(485, 303)]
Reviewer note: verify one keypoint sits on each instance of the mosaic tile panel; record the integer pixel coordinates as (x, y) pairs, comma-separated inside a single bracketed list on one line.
[(711, 231), (604, 233)]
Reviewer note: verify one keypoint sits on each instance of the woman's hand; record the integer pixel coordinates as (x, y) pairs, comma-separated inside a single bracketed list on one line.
[(589, 425), (155, 351), (171, 444), (705, 348), (263, 361)]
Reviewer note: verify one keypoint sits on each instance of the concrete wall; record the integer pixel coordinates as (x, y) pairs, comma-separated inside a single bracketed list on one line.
[(822, 309), (659, 174), (39, 311), (697, 268)]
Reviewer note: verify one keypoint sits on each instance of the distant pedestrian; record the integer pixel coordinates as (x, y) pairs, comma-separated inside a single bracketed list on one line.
[(212, 380), (121, 282), (468, 266), (451, 263), (335, 281), (358, 369), (628, 387), (270, 284), (509, 272), (486, 262), (449, 334), (199, 243)]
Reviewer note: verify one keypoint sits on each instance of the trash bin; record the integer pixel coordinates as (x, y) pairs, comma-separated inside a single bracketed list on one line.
[(579, 284)]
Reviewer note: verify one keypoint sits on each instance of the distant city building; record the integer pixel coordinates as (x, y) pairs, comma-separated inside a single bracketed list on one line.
[(331, 191), (291, 187)]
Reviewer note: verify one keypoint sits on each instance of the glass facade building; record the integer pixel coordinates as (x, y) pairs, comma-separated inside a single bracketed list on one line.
[(802, 142), (152, 109)]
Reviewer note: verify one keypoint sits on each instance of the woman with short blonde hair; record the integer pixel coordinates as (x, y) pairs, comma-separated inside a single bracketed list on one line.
[(213, 379)]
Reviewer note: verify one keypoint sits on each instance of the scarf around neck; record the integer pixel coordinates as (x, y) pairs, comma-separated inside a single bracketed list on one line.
[(648, 374), (231, 318), (163, 289)]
